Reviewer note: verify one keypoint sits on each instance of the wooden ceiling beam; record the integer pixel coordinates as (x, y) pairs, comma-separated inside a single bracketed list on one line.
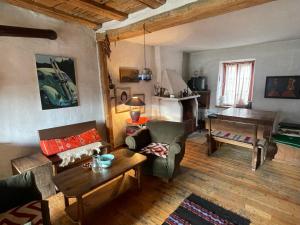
[(99, 9), (52, 12), (11, 31), (153, 3), (188, 13)]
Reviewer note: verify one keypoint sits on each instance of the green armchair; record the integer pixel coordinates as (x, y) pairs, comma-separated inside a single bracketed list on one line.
[(19, 190), (172, 133)]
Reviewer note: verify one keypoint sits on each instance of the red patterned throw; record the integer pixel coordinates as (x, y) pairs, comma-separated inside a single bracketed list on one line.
[(158, 149), (54, 146), (31, 212)]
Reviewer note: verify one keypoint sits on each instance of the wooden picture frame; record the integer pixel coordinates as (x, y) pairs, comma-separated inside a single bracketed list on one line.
[(284, 87), (142, 97), (122, 94), (128, 75)]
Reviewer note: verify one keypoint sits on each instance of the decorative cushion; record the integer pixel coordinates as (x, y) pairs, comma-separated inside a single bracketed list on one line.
[(89, 137), (235, 137), (30, 212), (158, 149), (54, 146)]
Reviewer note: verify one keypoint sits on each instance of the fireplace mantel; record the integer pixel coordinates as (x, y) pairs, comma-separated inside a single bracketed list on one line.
[(177, 109), (176, 99)]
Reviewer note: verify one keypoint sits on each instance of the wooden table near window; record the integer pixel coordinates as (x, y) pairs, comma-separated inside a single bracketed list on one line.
[(245, 117)]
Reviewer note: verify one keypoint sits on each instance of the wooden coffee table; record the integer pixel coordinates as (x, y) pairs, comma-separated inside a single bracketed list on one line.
[(81, 183)]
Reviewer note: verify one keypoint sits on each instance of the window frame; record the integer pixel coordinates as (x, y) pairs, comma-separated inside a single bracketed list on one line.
[(222, 80)]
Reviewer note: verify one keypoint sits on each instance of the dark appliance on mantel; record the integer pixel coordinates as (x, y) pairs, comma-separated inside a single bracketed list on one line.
[(198, 85)]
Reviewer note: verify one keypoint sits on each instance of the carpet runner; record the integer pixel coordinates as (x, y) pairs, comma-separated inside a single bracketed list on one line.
[(197, 211)]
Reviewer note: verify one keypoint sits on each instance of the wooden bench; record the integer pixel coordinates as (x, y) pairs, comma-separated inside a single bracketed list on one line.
[(66, 131), (260, 146), (244, 121), (288, 149)]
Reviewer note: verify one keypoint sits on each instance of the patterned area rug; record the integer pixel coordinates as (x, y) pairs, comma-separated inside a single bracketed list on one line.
[(197, 211)]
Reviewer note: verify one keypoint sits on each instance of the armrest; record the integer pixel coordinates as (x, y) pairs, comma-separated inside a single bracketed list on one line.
[(139, 140), (18, 190), (175, 148), (177, 144)]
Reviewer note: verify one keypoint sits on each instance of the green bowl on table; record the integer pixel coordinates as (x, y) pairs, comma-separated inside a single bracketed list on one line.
[(105, 160)]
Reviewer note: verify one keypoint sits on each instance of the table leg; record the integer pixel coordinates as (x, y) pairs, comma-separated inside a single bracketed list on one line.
[(137, 171), (254, 159), (255, 149), (80, 211), (66, 199)]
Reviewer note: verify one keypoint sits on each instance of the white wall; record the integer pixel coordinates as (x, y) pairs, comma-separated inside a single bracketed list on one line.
[(126, 54), (21, 114), (272, 59), (171, 59)]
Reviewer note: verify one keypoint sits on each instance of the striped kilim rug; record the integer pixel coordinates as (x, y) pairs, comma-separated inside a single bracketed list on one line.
[(197, 211)]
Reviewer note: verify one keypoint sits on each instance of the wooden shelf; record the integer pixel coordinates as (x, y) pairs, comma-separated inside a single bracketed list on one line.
[(176, 99)]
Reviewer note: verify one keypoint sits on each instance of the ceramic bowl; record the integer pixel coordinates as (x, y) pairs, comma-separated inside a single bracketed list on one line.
[(105, 160)]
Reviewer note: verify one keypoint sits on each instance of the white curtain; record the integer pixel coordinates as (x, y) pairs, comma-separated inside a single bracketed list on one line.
[(237, 83)]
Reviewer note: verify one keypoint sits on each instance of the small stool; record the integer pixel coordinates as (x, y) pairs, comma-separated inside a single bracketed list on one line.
[(42, 170)]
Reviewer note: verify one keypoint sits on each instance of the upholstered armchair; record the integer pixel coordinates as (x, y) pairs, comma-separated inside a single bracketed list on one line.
[(22, 201), (171, 133)]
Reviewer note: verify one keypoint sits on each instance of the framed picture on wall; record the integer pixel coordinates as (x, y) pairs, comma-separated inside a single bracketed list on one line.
[(283, 87), (142, 97), (122, 94), (128, 74), (57, 81)]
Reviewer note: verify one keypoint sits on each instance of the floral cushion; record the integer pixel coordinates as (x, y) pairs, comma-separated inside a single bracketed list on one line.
[(30, 212), (158, 149), (54, 146)]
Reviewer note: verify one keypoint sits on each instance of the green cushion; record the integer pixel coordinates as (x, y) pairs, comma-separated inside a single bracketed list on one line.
[(166, 131), (288, 140)]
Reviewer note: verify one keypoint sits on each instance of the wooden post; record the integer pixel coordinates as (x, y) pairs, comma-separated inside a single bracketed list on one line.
[(106, 92)]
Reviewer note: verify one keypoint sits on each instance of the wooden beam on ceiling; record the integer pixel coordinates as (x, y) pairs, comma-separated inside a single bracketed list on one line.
[(52, 12), (99, 9), (188, 13), (153, 3)]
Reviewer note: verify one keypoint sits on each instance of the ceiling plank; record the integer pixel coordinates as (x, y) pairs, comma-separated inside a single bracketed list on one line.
[(153, 3), (99, 9), (188, 13), (52, 12)]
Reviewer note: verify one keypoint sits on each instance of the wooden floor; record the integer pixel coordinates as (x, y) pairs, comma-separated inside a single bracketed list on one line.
[(271, 195)]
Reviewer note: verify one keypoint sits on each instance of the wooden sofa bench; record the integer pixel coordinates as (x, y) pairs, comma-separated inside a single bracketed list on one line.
[(66, 131)]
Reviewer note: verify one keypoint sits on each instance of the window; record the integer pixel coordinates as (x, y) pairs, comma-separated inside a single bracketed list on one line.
[(235, 84)]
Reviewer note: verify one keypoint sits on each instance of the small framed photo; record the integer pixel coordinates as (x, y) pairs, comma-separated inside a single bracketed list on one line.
[(142, 97), (128, 74), (122, 94), (283, 87)]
